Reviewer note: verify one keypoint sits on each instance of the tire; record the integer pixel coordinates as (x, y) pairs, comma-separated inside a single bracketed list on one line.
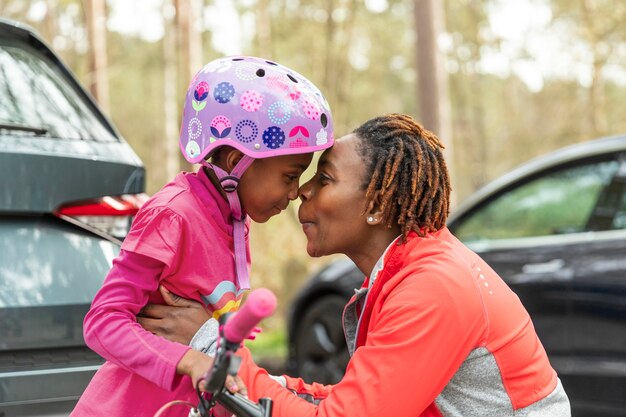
[(320, 347)]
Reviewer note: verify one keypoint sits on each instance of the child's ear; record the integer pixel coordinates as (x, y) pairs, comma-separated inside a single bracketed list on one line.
[(231, 157), (373, 212)]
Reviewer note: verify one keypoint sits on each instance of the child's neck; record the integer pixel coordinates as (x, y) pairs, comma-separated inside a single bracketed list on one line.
[(215, 181)]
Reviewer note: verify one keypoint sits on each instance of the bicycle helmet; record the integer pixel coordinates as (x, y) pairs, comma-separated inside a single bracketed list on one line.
[(259, 107)]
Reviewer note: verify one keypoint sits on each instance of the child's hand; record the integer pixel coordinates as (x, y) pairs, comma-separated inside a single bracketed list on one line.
[(177, 321), (196, 364), (235, 384)]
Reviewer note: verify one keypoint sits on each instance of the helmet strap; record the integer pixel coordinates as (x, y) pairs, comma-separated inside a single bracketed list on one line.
[(229, 183)]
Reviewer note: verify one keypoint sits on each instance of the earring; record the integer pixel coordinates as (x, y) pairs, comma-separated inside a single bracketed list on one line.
[(370, 219)]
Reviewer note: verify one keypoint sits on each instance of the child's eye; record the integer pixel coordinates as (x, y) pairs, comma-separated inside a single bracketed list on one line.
[(291, 177)]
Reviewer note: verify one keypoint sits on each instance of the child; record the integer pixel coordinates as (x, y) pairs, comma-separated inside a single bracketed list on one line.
[(259, 122)]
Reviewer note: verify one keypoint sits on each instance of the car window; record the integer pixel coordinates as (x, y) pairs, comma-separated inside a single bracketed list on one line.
[(619, 221), (555, 203), (44, 262), (35, 94)]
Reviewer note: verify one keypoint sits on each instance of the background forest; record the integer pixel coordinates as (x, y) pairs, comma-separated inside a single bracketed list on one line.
[(501, 81)]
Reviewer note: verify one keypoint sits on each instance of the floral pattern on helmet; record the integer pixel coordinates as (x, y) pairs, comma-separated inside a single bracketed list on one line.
[(257, 106)]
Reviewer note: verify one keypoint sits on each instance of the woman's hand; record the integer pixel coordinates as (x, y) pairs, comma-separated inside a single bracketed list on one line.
[(178, 320)]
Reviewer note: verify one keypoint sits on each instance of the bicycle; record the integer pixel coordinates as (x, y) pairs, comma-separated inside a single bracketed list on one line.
[(234, 328)]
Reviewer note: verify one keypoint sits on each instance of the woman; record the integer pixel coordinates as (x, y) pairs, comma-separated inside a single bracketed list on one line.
[(433, 331)]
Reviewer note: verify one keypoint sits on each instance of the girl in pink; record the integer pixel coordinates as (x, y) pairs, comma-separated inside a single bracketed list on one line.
[(258, 122)]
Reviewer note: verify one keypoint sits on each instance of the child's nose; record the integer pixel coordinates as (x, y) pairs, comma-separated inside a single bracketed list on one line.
[(293, 193)]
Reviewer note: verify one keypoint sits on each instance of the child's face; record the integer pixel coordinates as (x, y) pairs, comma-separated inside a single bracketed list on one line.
[(269, 184)]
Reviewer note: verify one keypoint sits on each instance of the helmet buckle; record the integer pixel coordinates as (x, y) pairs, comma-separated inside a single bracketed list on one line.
[(229, 183)]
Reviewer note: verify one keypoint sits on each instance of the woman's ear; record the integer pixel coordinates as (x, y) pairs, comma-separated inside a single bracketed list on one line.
[(373, 212)]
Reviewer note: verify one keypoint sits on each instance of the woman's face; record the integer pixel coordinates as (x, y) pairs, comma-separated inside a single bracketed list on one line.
[(269, 184), (333, 201)]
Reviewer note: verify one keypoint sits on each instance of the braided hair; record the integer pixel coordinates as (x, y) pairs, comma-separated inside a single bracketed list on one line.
[(405, 173)]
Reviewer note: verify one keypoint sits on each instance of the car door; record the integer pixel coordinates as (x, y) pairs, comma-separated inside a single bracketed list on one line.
[(535, 234), (49, 272), (596, 370)]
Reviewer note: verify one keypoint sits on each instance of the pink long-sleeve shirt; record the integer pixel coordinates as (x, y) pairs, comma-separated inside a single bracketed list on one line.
[(181, 239)]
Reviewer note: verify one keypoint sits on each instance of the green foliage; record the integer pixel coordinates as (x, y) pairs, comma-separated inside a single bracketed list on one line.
[(269, 344)]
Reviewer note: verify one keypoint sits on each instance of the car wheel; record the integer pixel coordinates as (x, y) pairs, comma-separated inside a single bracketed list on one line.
[(320, 348)]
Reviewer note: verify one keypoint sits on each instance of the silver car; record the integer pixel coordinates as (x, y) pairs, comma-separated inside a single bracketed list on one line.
[(69, 186)]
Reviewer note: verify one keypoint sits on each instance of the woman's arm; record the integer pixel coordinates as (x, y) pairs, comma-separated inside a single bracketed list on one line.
[(178, 320), (186, 321), (383, 377), (412, 351)]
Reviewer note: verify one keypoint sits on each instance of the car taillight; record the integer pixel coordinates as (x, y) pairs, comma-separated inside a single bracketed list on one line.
[(111, 215)]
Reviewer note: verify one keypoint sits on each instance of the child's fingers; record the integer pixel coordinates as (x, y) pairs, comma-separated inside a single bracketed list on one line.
[(235, 384)]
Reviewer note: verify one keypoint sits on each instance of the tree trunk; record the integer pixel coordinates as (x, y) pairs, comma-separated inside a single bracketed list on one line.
[(98, 83), (50, 28), (598, 100), (190, 39), (432, 80), (170, 103), (190, 47)]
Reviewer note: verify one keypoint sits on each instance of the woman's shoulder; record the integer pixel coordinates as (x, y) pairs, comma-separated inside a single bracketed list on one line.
[(437, 262)]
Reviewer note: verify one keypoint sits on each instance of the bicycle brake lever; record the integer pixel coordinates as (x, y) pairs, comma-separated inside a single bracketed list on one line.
[(216, 377)]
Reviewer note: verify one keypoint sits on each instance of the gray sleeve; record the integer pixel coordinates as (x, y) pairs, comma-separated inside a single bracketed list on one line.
[(205, 339), (280, 379)]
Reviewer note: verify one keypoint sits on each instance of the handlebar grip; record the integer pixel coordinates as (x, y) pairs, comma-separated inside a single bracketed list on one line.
[(260, 304)]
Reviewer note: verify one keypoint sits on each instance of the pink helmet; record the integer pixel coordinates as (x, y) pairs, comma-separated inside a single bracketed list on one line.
[(259, 107)]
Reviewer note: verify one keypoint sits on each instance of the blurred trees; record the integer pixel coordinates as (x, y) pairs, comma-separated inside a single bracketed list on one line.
[(364, 55), (599, 26), (499, 120)]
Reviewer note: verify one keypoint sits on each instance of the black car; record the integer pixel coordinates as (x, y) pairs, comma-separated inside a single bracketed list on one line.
[(555, 230), (69, 186)]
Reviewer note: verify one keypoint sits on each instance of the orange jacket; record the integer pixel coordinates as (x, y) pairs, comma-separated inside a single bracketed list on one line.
[(441, 334)]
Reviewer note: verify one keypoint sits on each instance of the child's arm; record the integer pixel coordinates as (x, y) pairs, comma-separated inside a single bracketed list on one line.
[(110, 327)]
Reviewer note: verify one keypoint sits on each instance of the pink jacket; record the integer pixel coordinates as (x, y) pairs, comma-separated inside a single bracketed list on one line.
[(182, 239)]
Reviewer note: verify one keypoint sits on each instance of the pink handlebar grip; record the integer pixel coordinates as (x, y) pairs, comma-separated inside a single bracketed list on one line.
[(260, 304)]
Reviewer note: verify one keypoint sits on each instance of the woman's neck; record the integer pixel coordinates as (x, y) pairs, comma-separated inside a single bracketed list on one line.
[(368, 253)]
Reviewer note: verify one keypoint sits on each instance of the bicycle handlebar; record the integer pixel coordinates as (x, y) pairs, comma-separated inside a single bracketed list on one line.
[(259, 305), (237, 327)]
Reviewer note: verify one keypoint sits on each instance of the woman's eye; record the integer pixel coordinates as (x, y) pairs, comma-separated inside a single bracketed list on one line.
[(323, 177)]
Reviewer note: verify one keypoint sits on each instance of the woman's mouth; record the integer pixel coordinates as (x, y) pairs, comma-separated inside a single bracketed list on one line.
[(306, 224)]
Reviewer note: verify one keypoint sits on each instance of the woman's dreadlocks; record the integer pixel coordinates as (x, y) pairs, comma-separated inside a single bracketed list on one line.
[(409, 178)]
